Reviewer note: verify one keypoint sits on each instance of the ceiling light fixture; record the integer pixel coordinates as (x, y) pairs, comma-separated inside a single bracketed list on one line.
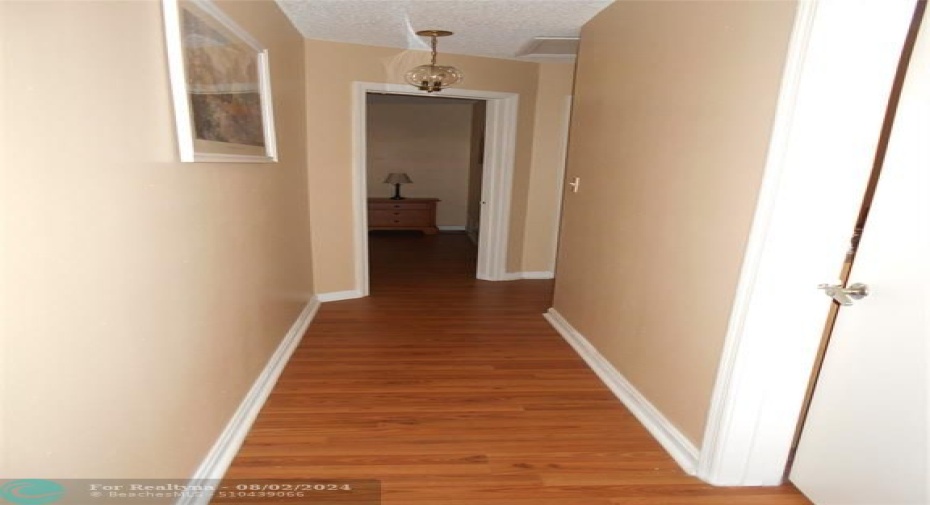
[(433, 77)]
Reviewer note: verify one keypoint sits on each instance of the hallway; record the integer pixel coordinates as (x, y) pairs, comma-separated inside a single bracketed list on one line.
[(454, 391)]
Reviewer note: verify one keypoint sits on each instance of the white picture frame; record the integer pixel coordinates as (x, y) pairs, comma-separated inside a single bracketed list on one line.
[(220, 86)]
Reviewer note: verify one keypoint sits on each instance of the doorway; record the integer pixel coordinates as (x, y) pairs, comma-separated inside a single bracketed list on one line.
[(437, 144), (496, 178), (864, 439), (856, 234), (833, 99), (435, 147)]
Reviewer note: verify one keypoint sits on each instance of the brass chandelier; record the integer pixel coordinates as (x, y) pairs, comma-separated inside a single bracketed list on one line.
[(432, 78)]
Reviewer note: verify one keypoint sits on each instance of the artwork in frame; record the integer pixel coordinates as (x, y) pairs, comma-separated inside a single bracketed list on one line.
[(220, 85)]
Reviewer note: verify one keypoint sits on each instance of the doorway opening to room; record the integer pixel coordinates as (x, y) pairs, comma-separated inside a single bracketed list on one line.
[(873, 342), (424, 164), (449, 157), (421, 148)]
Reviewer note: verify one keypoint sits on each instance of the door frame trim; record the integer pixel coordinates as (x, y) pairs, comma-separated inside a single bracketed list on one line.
[(828, 120), (564, 130), (496, 183)]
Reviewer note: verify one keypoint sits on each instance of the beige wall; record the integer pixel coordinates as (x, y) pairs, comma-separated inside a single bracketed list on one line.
[(542, 210), (431, 142), (673, 111), (332, 67), (140, 296)]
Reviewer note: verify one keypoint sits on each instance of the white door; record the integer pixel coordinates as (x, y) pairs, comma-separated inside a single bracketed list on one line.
[(865, 441)]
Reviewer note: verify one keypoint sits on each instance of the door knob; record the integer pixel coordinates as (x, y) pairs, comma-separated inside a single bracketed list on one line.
[(845, 296)]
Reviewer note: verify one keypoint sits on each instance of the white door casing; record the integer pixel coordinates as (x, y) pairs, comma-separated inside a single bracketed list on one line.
[(564, 129), (865, 440), (838, 76), (500, 150)]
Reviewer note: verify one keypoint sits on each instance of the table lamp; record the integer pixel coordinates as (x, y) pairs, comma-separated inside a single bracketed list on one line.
[(397, 178)]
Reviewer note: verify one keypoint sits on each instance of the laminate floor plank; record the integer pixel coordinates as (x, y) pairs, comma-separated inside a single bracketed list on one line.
[(455, 391)]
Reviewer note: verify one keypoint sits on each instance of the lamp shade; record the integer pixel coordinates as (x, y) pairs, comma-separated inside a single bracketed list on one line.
[(397, 178)]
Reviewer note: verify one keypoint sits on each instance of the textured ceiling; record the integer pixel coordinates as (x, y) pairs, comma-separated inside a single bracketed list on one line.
[(496, 28)]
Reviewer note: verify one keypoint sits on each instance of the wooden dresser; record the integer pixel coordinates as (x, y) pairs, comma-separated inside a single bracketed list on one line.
[(406, 214)]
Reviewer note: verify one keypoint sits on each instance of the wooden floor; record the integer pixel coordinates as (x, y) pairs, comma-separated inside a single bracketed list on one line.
[(453, 391)]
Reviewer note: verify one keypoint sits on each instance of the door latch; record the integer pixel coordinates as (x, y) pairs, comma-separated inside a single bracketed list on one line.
[(845, 296), (575, 184)]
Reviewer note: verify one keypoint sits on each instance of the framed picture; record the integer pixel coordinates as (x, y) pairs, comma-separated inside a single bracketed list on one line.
[(220, 85)]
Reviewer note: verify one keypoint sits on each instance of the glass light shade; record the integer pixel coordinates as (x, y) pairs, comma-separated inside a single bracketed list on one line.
[(432, 78)]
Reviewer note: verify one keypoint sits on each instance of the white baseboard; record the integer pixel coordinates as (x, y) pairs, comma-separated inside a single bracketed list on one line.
[(516, 276), (678, 446), (451, 228), (214, 465), (335, 296), (537, 275)]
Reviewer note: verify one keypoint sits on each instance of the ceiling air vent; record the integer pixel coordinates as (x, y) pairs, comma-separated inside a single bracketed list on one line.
[(551, 47)]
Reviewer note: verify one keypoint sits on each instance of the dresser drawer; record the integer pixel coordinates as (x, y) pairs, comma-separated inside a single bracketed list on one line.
[(406, 214), (399, 218), (424, 206)]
